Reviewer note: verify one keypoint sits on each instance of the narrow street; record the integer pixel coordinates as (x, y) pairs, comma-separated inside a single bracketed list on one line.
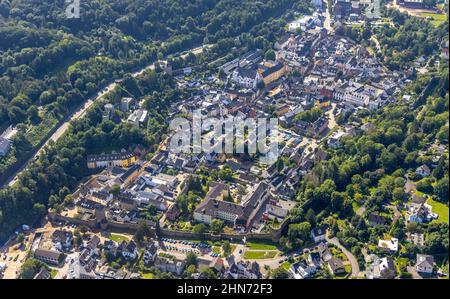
[(327, 23)]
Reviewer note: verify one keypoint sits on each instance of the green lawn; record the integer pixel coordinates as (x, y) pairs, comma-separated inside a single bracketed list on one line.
[(261, 246), (440, 209), (217, 250), (437, 18), (286, 265), (348, 268), (258, 255), (118, 238), (147, 275), (53, 273)]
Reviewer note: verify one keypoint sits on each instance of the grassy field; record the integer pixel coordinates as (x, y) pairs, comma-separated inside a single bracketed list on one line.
[(437, 18), (147, 275), (118, 238), (286, 265), (53, 273), (258, 255), (441, 209), (217, 250), (261, 246), (348, 268)]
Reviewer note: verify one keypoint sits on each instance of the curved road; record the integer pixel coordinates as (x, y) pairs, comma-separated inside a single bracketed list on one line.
[(348, 254)]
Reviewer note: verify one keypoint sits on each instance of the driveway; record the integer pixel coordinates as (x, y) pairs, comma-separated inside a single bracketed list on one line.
[(413, 272), (348, 254), (396, 212)]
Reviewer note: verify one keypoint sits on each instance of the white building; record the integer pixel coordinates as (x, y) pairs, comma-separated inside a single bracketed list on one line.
[(391, 245), (138, 117), (335, 139), (248, 78)]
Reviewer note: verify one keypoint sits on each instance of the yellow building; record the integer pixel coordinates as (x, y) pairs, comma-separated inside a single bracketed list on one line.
[(272, 72), (324, 104), (122, 159)]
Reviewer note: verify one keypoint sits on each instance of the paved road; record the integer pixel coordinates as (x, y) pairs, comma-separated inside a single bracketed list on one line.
[(413, 272), (327, 22), (332, 119), (397, 213), (348, 254)]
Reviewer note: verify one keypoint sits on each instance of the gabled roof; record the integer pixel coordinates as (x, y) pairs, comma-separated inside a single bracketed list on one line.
[(377, 219), (424, 260), (335, 264), (319, 231)]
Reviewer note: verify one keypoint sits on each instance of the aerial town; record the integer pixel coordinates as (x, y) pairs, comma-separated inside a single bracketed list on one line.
[(145, 213)]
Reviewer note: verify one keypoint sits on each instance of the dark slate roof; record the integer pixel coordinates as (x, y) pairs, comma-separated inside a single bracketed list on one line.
[(319, 231), (129, 172), (377, 219), (110, 157), (272, 70), (50, 254), (335, 264)]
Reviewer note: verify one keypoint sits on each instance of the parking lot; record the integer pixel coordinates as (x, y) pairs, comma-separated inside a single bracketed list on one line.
[(181, 246)]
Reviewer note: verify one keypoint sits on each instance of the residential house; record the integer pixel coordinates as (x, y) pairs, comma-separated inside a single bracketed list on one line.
[(173, 212), (128, 250), (62, 240), (387, 268), (324, 252), (418, 213), (42, 274), (389, 245), (78, 271), (150, 253), (109, 246), (334, 141), (377, 220), (318, 234), (336, 266), (301, 270), (423, 171), (172, 265), (314, 259), (92, 245), (244, 270), (424, 264)]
